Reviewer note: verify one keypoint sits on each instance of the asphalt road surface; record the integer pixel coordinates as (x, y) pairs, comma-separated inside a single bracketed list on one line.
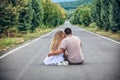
[(26, 62)]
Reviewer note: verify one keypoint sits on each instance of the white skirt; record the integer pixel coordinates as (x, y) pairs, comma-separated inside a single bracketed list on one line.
[(54, 60)]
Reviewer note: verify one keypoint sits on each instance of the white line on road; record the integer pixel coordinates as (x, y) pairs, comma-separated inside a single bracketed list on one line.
[(25, 45), (101, 36), (48, 34)]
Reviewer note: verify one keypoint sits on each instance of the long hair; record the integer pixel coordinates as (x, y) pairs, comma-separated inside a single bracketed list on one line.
[(56, 41)]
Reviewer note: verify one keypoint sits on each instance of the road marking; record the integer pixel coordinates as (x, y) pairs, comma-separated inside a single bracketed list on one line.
[(101, 36), (48, 34), (25, 45)]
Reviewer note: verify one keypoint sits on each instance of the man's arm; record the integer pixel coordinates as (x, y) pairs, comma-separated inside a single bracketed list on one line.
[(59, 51)]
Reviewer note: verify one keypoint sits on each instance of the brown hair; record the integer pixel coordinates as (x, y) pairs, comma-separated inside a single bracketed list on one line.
[(56, 40)]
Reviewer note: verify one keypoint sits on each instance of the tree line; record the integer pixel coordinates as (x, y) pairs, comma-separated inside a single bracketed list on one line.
[(81, 16), (22, 16), (74, 4), (105, 14)]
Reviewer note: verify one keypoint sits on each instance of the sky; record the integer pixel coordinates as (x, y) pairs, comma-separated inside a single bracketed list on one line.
[(61, 0)]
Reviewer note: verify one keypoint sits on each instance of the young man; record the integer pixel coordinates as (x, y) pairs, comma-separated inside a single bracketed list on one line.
[(72, 45)]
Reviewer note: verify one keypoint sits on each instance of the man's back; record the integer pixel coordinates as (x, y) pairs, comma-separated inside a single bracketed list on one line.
[(72, 45)]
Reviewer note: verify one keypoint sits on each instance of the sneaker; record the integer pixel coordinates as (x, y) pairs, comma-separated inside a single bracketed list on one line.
[(63, 63)]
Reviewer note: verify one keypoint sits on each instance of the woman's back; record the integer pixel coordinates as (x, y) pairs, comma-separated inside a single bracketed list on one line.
[(55, 43)]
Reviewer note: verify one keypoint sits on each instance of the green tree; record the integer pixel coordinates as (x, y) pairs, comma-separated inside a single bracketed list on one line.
[(25, 17), (114, 15), (81, 16), (62, 15), (37, 14), (47, 12), (96, 13), (105, 14), (53, 13), (8, 18)]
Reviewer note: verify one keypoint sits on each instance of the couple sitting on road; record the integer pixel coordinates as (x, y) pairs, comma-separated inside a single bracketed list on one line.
[(65, 49)]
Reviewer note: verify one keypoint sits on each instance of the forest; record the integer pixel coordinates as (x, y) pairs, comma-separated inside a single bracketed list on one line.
[(23, 16), (105, 14), (74, 4)]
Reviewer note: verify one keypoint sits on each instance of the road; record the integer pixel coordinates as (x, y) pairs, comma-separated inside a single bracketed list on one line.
[(26, 61)]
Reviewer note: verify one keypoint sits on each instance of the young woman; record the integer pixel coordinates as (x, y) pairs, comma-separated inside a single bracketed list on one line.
[(56, 59)]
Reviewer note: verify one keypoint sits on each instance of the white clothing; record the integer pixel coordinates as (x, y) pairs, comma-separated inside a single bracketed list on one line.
[(54, 60)]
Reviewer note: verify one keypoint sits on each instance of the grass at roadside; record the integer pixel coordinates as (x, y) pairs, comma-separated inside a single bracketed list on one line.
[(6, 43), (109, 34)]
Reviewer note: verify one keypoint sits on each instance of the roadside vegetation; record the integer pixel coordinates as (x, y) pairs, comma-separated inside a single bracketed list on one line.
[(100, 16), (109, 34), (8, 42), (21, 20)]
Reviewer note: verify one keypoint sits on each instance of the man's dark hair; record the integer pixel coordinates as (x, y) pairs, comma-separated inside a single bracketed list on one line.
[(68, 31)]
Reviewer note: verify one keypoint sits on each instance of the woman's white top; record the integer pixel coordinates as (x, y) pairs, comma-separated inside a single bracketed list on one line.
[(54, 60)]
